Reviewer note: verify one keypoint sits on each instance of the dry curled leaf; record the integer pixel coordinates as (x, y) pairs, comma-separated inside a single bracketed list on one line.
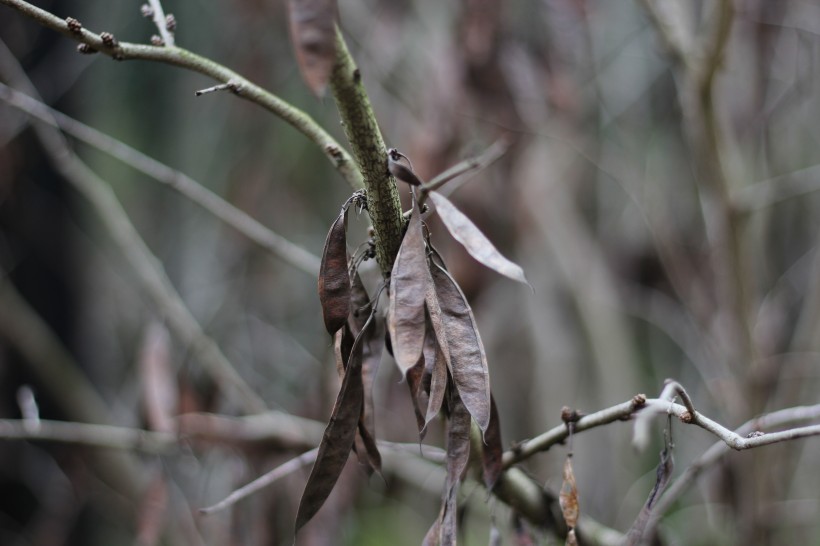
[(467, 358), (361, 309), (334, 280), (444, 530), (338, 438), (436, 366), (415, 382), (313, 31), (474, 241), (366, 449), (568, 498), (342, 345), (493, 450), (405, 315)]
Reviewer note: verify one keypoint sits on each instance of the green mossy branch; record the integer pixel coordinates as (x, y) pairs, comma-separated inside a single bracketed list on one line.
[(368, 147)]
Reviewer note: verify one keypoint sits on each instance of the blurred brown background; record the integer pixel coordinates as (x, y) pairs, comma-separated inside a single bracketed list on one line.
[(657, 248)]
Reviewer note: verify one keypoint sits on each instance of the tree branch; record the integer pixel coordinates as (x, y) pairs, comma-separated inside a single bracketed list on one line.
[(185, 185), (183, 58), (366, 140), (640, 406), (720, 449), (158, 16)]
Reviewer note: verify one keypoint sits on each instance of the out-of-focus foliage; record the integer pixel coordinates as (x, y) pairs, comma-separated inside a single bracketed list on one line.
[(606, 199)]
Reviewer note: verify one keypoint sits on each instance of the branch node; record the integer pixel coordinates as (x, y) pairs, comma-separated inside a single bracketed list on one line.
[(85, 49), (756, 434), (157, 40), (638, 401), (336, 153), (146, 11), (687, 417), (74, 25), (569, 415), (108, 39), (233, 86), (170, 22)]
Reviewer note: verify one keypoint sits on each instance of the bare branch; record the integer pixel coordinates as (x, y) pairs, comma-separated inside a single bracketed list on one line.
[(186, 59), (104, 436), (263, 481), (542, 442), (640, 406), (158, 15), (469, 165), (185, 185), (720, 449)]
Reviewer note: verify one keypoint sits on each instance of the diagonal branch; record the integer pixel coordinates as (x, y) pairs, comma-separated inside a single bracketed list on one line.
[(640, 406), (185, 185), (158, 16)]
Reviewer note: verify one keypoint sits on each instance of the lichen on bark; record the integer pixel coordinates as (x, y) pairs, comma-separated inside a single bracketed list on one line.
[(367, 144)]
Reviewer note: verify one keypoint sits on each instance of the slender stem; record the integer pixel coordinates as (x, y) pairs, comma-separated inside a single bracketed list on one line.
[(639, 405), (720, 449), (368, 147), (469, 165), (185, 185), (159, 20), (263, 481), (191, 61)]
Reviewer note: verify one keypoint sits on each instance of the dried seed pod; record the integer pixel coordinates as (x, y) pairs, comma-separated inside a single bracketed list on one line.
[(334, 280), (400, 171)]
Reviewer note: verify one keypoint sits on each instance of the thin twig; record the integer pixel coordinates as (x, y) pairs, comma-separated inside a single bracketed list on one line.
[(558, 434), (469, 165), (104, 436), (230, 86), (263, 481), (161, 23), (657, 406), (191, 61), (671, 389), (185, 185), (719, 449)]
